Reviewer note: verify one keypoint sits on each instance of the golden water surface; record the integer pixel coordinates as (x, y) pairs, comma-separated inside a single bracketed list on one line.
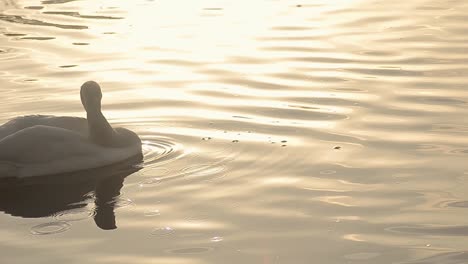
[(274, 131)]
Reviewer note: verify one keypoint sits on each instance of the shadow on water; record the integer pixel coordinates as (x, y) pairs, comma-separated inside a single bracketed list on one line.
[(45, 196)]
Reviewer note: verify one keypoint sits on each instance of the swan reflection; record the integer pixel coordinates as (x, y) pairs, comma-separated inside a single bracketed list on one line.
[(45, 196)]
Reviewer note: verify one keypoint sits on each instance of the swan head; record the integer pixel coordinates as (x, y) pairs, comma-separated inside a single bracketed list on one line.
[(91, 96)]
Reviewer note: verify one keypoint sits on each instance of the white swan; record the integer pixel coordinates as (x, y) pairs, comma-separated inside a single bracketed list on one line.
[(43, 145)]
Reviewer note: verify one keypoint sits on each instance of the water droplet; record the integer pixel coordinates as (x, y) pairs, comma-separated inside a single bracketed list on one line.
[(428, 245), (150, 182), (216, 239), (235, 141), (206, 138), (121, 202), (67, 66), (284, 141), (154, 212), (163, 231), (337, 147)]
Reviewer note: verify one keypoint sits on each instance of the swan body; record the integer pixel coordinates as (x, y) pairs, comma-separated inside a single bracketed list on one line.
[(44, 145)]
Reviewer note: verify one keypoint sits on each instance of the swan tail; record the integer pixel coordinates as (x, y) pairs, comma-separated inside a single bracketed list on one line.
[(8, 169)]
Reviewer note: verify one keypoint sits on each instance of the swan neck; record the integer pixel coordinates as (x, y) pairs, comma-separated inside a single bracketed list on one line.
[(100, 131)]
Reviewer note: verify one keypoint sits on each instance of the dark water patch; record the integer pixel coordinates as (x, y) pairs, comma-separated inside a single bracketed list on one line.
[(242, 117), (54, 2), (247, 60), (426, 61), (290, 113), (433, 100), (458, 151), (14, 34), (459, 204), (431, 230), (291, 38), (38, 38), (80, 43), (451, 50), (431, 8), (385, 72), (325, 101), (254, 84), (353, 90), (35, 22), (296, 49), (377, 53), (460, 72), (193, 250), (452, 203), (445, 258), (77, 14), (68, 66), (369, 20), (304, 107), (450, 127), (291, 28), (34, 7), (291, 76), (319, 59), (175, 62)]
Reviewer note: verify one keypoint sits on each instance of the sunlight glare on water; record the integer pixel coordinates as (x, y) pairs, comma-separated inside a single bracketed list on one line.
[(273, 131)]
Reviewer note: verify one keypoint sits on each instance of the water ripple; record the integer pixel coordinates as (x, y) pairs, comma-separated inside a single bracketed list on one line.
[(160, 151), (77, 214), (50, 228)]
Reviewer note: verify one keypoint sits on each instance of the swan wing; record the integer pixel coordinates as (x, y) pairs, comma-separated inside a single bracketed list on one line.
[(41, 150), (77, 124), (42, 144)]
